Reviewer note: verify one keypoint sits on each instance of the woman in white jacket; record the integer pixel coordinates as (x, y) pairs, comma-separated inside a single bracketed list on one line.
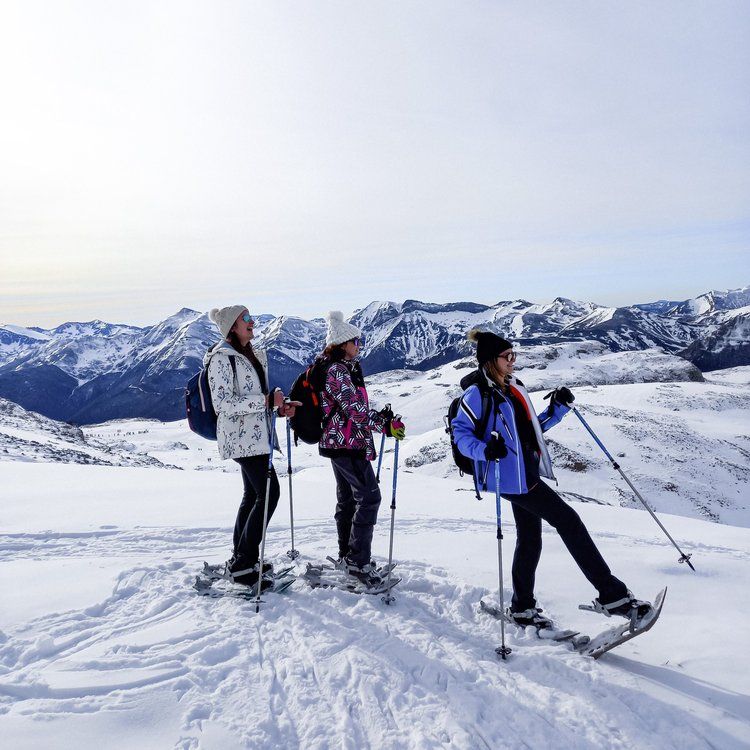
[(238, 379)]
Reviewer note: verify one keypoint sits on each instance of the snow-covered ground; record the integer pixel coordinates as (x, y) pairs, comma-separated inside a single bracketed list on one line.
[(103, 642)]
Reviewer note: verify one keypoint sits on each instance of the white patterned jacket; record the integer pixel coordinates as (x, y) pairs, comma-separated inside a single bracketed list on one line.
[(242, 427)]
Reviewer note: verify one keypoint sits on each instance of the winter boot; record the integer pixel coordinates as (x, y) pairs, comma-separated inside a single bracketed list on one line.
[(241, 572), (532, 616), (628, 607), (267, 567), (366, 573)]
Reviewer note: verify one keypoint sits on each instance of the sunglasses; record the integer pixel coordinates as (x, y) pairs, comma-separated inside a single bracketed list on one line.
[(247, 318), (359, 341), (509, 357)]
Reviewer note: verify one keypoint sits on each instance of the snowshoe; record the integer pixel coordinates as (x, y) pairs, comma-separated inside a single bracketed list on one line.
[(546, 629), (244, 591), (341, 563), (220, 573), (324, 576), (629, 607), (609, 639)]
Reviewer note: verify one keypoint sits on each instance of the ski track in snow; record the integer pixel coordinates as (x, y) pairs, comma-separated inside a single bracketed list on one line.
[(324, 668)]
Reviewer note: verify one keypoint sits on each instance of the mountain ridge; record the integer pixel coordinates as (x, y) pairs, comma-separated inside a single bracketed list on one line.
[(95, 371)]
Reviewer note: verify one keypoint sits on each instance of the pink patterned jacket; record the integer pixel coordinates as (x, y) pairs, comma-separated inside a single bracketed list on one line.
[(349, 419)]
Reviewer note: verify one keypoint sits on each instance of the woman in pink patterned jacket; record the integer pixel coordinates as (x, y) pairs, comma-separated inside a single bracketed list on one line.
[(347, 440)]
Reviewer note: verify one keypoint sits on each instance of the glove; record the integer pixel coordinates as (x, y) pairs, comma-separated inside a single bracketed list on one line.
[(561, 396), (275, 399), (495, 448), (396, 428), (386, 413)]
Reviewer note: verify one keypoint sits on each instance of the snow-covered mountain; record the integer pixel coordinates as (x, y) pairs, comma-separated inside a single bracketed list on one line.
[(95, 371), (726, 345), (15, 341), (711, 302), (291, 344), (30, 437)]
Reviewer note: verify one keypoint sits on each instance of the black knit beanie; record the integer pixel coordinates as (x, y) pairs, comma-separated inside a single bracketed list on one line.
[(489, 345)]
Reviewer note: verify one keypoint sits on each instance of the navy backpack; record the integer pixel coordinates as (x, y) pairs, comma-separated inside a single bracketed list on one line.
[(201, 416)]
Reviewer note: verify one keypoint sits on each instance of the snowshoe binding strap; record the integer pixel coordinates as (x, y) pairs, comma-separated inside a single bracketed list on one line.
[(629, 607), (609, 609), (532, 616)]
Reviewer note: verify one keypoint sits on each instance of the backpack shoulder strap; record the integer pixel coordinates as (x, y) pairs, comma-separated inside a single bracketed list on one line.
[(485, 416), (233, 363)]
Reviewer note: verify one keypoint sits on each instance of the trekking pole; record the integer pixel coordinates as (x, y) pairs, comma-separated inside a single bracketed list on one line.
[(265, 510), (292, 553), (388, 598), (380, 457), (503, 650), (382, 448), (683, 557)]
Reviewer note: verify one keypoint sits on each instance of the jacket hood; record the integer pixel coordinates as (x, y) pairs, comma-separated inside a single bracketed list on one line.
[(220, 347), (475, 377)]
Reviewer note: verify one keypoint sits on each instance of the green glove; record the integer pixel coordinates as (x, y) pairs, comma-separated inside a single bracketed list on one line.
[(396, 428)]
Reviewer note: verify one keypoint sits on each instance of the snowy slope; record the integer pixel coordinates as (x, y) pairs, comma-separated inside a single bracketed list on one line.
[(169, 442), (27, 436), (686, 445), (658, 429), (105, 644)]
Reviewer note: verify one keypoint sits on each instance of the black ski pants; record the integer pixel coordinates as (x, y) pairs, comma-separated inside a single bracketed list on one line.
[(248, 528), (529, 510), (358, 496)]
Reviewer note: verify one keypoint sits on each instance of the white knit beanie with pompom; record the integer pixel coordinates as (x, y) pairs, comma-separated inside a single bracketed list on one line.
[(224, 317), (339, 330)]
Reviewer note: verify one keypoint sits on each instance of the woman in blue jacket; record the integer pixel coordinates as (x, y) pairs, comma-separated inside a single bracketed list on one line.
[(513, 435)]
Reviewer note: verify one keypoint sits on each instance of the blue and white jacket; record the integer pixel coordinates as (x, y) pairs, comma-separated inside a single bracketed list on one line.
[(503, 421)]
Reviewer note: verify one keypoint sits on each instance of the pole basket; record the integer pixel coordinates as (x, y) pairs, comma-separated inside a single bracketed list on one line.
[(686, 559), (503, 651)]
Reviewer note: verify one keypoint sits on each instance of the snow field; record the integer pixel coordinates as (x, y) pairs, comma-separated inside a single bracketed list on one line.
[(105, 643)]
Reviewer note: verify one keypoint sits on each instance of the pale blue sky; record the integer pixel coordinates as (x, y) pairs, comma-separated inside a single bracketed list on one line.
[(299, 157)]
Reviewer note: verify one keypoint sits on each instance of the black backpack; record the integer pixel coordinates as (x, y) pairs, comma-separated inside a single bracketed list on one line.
[(465, 464), (308, 422)]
